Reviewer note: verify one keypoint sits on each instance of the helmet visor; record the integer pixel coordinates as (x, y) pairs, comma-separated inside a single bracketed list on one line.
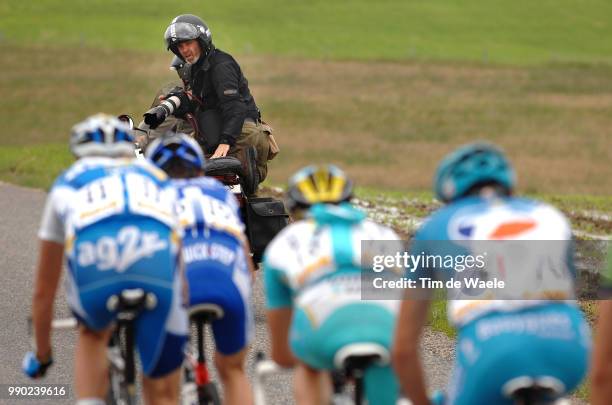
[(179, 32)]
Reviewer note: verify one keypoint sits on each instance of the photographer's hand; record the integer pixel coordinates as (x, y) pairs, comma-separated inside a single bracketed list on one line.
[(183, 106), (221, 151)]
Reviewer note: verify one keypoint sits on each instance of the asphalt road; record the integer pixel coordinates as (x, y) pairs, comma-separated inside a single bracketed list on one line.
[(20, 211)]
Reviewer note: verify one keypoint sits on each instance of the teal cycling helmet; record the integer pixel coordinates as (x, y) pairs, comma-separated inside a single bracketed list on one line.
[(470, 166), (177, 148)]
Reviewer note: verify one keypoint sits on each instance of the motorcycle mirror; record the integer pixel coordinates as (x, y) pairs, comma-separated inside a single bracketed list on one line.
[(127, 119)]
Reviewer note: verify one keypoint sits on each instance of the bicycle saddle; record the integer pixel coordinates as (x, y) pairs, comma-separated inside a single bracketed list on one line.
[(529, 390), (358, 356), (206, 312), (131, 300), (222, 166)]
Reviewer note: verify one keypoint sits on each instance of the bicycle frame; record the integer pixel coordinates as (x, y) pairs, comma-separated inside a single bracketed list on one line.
[(122, 374), (196, 370), (122, 367)]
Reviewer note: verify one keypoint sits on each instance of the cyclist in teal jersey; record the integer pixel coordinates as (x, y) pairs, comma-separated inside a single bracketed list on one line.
[(312, 283), (505, 337)]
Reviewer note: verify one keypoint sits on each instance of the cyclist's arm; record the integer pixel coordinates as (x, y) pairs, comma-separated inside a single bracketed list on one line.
[(279, 321), (231, 200), (406, 361), (601, 391), (279, 304), (247, 253), (48, 274)]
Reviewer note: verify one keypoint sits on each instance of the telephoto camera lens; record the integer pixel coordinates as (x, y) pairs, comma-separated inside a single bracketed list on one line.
[(156, 115)]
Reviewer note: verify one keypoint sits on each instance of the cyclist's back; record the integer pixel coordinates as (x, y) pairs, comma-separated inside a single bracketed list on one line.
[(512, 336), (527, 329), (121, 231), (314, 267), (113, 218), (494, 226), (214, 256)]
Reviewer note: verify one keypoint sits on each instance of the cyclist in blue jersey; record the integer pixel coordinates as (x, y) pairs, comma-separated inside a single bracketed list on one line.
[(504, 340), (216, 255), (112, 218), (312, 278)]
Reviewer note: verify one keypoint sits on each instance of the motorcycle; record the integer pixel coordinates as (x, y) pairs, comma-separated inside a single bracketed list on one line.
[(263, 217)]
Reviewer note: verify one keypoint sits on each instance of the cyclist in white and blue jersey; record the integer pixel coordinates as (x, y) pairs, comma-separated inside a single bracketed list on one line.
[(113, 220), (535, 332), (216, 255), (312, 277)]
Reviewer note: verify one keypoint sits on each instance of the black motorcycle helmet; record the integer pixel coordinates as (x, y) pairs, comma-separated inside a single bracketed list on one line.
[(186, 27)]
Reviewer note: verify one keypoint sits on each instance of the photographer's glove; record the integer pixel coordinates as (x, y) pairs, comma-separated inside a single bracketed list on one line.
[(34, 368)]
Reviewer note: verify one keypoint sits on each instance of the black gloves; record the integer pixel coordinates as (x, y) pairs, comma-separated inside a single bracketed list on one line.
[(184, 105)]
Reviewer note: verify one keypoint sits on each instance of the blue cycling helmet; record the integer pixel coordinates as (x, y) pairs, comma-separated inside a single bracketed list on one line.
[(177, 147), (469, 166), (102, 135)]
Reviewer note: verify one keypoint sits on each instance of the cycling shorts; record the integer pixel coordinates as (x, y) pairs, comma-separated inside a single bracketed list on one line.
[(223, 279), (116, 254), (552, 340), (351, 323)]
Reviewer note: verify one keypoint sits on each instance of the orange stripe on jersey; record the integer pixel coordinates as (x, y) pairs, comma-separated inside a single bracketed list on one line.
[(512, 229), (322, 262)]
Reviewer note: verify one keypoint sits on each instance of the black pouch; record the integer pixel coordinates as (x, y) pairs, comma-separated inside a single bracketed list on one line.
[(265, 217)]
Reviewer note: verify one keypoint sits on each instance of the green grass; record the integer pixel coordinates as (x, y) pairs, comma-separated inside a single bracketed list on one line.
[(34, 165), (438, 318), (386, 123), (519, 32), (600, 204)]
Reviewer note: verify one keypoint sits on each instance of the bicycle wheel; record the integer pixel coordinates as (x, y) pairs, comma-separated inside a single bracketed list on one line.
[(209, 395)]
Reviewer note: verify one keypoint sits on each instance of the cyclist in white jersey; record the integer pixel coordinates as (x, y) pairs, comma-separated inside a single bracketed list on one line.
[(312, 276), (113, 220), (532, 330), (216, 254)]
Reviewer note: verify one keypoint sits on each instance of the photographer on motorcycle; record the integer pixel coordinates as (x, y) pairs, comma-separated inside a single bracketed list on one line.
[(217, 94)]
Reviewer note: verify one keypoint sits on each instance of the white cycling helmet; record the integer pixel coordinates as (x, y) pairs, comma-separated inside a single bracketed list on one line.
[(102, 135)]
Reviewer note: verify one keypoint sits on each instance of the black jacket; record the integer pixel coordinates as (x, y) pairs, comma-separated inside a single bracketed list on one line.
[(218, 82)]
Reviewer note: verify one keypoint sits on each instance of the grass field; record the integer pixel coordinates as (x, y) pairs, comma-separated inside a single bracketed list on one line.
[(518, 32), (383, 91), (386, 123)]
